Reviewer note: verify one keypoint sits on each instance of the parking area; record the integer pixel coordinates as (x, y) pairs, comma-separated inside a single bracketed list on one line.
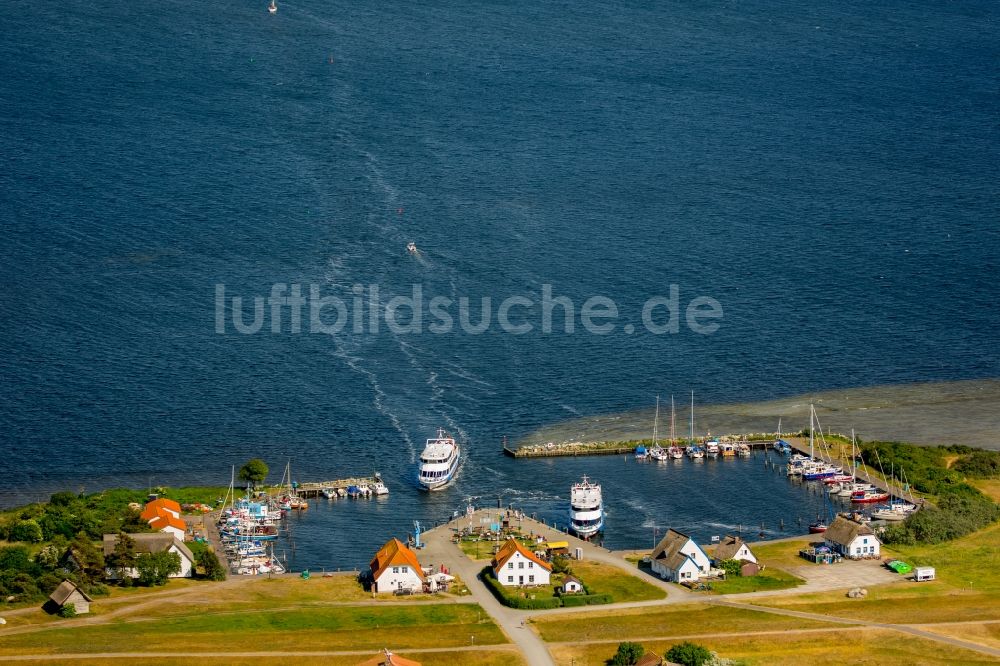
[(844, 574)]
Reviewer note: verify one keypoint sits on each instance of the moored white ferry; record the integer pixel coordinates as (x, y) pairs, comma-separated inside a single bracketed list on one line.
[(586, 511), (438, 462)]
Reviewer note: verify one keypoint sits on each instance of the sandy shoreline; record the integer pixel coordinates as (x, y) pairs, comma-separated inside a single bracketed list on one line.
[(966, 412)]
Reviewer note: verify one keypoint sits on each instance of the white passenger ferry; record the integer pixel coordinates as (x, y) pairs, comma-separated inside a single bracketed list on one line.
[(586, 511), (438, 462)]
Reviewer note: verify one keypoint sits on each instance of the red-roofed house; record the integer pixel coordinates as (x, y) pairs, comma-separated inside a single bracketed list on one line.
[(516, 565), (395, 568), (167, 522), (156, 507)]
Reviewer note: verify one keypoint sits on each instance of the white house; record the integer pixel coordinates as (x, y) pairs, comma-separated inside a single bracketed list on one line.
[(734, 548), (156, 542), (572, 585), (852, 539), (516, 565), (395, 568), (678, 558)]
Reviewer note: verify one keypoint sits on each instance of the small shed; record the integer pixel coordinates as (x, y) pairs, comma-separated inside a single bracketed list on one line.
[(749, 569), (68, 594), (572, 586)]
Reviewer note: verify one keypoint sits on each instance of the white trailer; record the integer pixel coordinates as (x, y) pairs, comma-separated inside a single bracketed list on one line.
[(923, 573)]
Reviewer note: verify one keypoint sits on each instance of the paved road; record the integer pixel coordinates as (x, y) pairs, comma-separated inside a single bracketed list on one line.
[(440, 549)]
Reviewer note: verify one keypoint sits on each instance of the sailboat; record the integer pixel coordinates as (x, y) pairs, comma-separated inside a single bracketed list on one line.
[(272, 8), (291, 499), (694, 451), (657, 452), (674, 451)]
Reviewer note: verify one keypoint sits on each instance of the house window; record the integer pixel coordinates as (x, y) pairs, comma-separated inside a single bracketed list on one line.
[(531, 579), (520, 565), (403, 569), (510, 565), (865, 540), (510, 579), (531, 565), (395, 570)]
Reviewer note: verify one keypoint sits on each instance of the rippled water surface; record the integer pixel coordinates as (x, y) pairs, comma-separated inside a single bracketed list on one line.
[(826, 172)]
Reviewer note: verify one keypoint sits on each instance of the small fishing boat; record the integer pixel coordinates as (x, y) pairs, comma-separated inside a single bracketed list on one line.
[(272, 8), (743, 450), (379, 487), (712, 448), (695, 452), (411, 247)]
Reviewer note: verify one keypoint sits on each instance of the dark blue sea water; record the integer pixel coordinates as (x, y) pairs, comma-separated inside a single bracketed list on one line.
[(827, 172)]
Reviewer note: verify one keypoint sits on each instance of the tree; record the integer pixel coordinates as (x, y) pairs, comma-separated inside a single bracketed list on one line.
[(156, 568), (731, 567), (254, 472), (87, 556), (26, 530), (628, 654), (688, 654), (209, 563), (123, 558)]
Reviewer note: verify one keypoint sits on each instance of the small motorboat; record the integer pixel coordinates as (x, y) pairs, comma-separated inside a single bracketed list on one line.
[(272, 8), (329, 493), (411, 247), (818, 527)]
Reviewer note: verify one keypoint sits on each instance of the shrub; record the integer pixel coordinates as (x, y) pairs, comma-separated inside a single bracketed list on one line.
[(155, 568), (688, 654), (731, 567), (560, 565), (979, 464), (69, 610), (211, 567), (571, 600), (627, 654), (26, 530)]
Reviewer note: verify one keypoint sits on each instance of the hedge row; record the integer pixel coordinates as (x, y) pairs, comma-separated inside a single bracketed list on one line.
[(586, 599), (545, 603)]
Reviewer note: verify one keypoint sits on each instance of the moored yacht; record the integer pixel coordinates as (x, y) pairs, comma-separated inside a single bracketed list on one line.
[(586, 510), (439, 461)]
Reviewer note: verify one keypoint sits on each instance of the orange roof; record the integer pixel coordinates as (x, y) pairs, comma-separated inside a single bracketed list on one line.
[(153, 508), (393, 554), (387, 658), (512, 546), (166, 519)]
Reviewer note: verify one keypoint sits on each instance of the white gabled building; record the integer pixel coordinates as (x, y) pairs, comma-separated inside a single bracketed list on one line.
[(734, 548), (679, 559), (395, 568), (515, 565), (851, 539), (156, 542)]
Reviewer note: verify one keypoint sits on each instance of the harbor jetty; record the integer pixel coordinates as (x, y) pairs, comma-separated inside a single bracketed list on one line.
[(618, 447)]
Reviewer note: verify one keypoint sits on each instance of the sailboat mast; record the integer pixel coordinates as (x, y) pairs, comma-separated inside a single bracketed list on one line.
[(812, 429), (692, 417), (672, 418), (656, 419)]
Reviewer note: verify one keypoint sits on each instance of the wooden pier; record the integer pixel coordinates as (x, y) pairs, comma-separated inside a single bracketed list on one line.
[(310, 489)]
